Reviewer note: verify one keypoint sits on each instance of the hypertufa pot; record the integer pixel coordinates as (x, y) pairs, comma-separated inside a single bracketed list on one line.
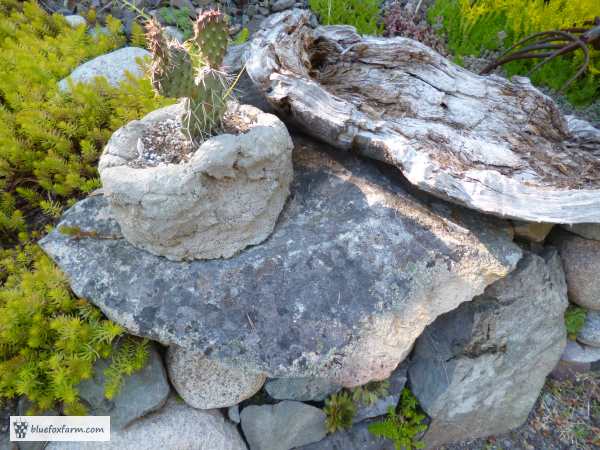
[(221, 198)]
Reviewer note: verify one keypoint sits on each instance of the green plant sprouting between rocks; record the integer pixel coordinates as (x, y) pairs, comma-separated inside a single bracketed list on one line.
[(340, 410), (370, 392), (365, 15), (192, 70), (404, 426), (574, 320)]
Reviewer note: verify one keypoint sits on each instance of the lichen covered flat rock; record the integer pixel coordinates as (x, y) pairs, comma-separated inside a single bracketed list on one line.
[(354, 270)]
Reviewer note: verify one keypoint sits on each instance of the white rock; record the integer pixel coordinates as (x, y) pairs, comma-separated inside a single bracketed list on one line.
[(227, 196), (75, 20), (206, 384), (112, 66), (176, 426)]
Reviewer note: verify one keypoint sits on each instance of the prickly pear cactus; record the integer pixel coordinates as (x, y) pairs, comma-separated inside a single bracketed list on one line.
[(211, 36), (192, 71)]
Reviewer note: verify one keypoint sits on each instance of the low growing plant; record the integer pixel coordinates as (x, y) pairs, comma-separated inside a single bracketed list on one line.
[(402, 427), (49, 339), (340, 410), (370, 392), (574, 320), (365, 15)]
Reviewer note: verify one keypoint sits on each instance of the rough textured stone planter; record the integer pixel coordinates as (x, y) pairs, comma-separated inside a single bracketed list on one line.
[(219, 199)]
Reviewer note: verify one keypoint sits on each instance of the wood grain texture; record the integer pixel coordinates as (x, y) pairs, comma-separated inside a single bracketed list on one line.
[(498, 146)]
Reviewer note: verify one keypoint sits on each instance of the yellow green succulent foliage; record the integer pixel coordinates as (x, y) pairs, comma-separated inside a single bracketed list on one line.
[(473, 27), (365, 15), (49, 147)]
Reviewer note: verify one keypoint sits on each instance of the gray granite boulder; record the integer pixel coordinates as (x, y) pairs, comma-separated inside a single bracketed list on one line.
[(353, 272), (282, 426), (356, 438), (590, 333), (141, 393), (112, 66), (206, 384), (301, 389), (581, 260), (176, 426), (478, 370)]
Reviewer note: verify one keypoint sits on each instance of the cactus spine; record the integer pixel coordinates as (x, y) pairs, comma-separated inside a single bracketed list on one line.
[(192, 70)]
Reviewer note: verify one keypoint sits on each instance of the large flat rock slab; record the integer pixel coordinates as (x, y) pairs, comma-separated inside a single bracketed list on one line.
[(498, 146), (353, 272)]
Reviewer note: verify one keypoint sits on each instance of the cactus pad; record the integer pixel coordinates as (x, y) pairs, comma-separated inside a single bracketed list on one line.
[(176, 71), (211, 36)]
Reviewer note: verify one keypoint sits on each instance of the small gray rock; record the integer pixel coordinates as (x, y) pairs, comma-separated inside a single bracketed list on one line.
[(590, 333), (301, 389), (112, 66), (282, 5), (397, 382), (581, 354), (176, 426), (142, 392), (233, 412), (356, 438), (283, 426), (581, 260), (207, 384), (75, 20)]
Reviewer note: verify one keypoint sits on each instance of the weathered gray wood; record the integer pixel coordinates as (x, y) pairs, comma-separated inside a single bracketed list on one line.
[(497, 146)]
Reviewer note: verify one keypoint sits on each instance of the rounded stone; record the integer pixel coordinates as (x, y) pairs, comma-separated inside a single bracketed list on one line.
[(207, 384), (590, 333), (113, 66), (581, 261), (225, 197)]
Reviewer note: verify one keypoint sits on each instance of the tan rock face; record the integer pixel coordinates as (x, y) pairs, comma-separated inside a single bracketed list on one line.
[(207, 384), (225, 197)]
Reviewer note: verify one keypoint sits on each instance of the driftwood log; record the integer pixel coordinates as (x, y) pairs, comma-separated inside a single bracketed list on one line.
[(498, 146)]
